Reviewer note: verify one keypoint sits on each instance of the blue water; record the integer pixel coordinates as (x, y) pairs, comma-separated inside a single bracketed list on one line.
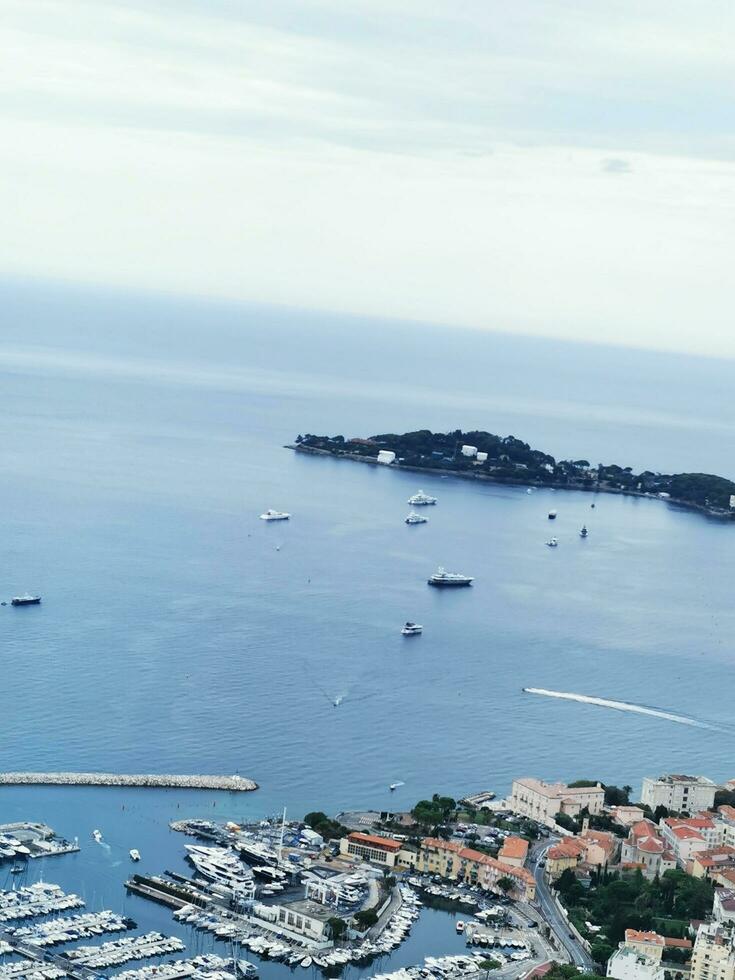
[(142, 436)]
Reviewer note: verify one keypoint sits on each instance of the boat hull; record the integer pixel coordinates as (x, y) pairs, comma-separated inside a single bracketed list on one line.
[(450, 585)]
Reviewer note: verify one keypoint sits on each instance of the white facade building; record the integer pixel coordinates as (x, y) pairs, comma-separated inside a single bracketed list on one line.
[(386, 456), (714, 953), (542, 801), (681, 794), (628, 964), (469, 450), (482, 457)]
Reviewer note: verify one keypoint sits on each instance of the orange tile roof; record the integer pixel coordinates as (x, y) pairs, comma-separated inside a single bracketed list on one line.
[(727, 811), (686, 833), (678, 943), (570, 847), (652, 938), (370, 840), (467, 854), (514, 847)]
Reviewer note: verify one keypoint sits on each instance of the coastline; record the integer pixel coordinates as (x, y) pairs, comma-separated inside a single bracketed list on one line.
[(488, 478)]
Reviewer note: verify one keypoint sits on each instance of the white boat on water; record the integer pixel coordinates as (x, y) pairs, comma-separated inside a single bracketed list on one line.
[(412, 629), (552, 543), (414, 518), (97, 835), (275, 515), (421, 499), (134, 854), (552, 515), (583, 532), (460, 925), (443, 579)]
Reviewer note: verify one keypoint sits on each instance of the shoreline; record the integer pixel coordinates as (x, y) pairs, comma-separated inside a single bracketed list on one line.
[(487, 478)]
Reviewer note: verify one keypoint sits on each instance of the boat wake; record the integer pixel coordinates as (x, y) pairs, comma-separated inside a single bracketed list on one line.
[(639, 709)]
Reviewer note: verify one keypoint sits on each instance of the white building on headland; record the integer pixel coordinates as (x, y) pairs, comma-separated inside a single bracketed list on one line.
[(542, 801), (386, 456), (469, 450), (680, 794)]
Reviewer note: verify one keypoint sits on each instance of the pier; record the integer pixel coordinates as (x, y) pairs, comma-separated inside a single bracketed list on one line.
[(230, 784)]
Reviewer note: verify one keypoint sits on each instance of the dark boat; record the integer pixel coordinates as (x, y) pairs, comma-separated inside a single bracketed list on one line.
[(25, 600)]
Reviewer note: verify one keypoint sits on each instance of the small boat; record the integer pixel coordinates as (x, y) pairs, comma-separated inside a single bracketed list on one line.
[(394, 786), (421, 499), (25, 600), (592, 506), (337, 701), (583, 531), (412, 629), (443, 579), (460, 925), (97, 835), (306, 962), (552, 515), (414, 518), (275, 515), (246, 969), (17, 869), (552, 543), (134, 854)]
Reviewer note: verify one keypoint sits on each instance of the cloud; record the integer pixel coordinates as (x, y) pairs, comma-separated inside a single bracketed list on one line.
[(446, 162)]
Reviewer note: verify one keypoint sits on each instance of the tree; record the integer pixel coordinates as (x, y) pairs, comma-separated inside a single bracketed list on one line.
[(660, 813), (507, 884), (366, 918), (337, 927), (565, 821), (615, 796)]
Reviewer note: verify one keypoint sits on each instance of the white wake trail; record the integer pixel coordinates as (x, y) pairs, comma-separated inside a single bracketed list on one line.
[(638, 709)]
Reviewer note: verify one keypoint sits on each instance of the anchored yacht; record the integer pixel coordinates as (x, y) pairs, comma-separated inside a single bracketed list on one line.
[(134, 854), (412, 629), (275, 515), (552, 543), (25, 600), (97, 835), (421, 499), (414, 518), (552, 515), (443, 579)]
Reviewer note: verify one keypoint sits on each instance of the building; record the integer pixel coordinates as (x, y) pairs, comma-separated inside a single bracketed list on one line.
[(714, 953), (705, 864), (305, 918), (369, 847), (514, 851), (386, 456), (627, 815), (451, 859), (678, 793), (470, 451), (482, 457), (601, 847), (645, 848), (648, 943), (723, 909), (542, 801), (627, 964), (564, 856)]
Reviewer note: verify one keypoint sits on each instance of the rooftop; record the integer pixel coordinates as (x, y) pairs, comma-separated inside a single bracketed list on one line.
[(557, 790), (514, 847), (372, 840)]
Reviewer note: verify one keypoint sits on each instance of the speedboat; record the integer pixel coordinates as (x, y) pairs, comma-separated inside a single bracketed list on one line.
[(460, 925), (552, 543), (421, 499), (394, 786), (25, 600), (583, 531), (414, 518), (134, 854), (552, 515), (97, 835), (443, 579), (274, 515), (412, 629)]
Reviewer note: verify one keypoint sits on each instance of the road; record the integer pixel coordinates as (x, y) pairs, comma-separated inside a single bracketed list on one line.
[(547, 906)]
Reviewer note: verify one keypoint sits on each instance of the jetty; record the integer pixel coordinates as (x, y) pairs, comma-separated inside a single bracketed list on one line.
[(230, 784)]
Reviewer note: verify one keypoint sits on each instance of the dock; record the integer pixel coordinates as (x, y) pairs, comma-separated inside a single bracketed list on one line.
[(230, 784)]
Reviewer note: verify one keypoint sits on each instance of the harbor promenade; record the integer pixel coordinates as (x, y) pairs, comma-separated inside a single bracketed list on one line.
[(231, 784)]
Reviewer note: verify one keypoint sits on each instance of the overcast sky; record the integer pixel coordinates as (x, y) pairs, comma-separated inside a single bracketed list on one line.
[(560, 167)]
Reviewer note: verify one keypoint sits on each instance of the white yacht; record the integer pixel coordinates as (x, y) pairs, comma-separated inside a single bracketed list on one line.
[(460, 925), (552, 515), (552, 543), (134, 854), (414, 518), (412, 629), (275, 515), (443, 579), (97, 835), (421, 499)]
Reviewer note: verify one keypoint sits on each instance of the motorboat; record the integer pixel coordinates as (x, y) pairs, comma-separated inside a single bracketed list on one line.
[(414, 518), (134, 854), (552, 543), (460, 925), (552, 515), (443, 579), (412, 629), (421, 499), (275, 515), (97, 836), (25, 600), (583, 532)]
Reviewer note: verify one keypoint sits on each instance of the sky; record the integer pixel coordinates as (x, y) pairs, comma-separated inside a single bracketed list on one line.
[(564, 168)]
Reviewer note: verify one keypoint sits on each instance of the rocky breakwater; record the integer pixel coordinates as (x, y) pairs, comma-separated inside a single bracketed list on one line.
[(230, 784)]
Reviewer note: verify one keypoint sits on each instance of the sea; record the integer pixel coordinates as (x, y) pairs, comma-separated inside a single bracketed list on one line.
[(142, 435)]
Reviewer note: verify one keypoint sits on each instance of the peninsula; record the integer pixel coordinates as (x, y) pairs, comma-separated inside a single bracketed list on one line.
[(504, 459)]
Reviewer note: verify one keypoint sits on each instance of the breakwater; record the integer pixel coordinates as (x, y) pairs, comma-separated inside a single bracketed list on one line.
[(231, 784)]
